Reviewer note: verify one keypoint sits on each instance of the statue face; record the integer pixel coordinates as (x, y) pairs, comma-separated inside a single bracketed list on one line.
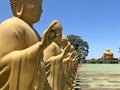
[(64, 42), (33, 11)]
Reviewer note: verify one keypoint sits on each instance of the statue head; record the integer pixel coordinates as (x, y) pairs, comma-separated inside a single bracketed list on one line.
[(72, 48), (64, 41), (28, 10)]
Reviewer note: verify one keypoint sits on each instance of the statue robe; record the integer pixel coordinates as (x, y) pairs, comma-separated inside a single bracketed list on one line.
[(66, 72), (54, 67), (21, 65)]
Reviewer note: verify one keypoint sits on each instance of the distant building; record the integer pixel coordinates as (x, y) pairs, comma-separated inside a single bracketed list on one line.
[(107, 56)]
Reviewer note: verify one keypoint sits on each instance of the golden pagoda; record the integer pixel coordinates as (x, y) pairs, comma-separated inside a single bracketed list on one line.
[(107, 56)]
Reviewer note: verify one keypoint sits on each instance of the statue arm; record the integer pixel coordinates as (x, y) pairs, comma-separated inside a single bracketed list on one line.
[(14, 54), (60, 56), (22, 65)]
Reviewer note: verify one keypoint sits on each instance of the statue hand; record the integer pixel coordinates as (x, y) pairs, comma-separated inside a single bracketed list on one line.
[(72, 55), (49, 34), (66, 50)]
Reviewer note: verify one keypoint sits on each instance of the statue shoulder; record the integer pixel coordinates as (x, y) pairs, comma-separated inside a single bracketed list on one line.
[(12, 25), (51, 48), (10, 22), (9, 26)]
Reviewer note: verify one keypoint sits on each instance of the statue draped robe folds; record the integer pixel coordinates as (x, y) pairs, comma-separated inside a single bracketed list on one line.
[(53, 62), (27, 63), (21, 65)]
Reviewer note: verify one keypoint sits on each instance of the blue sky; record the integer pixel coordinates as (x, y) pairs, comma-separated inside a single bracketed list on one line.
[(96, 21)]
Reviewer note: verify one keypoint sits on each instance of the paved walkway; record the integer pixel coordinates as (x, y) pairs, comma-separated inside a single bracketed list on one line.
[(99, 77)]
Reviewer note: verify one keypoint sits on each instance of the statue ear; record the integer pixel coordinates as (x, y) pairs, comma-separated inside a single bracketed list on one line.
[(19, 10)]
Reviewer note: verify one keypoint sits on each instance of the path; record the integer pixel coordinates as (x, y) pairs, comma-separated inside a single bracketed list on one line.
[(99, 77)]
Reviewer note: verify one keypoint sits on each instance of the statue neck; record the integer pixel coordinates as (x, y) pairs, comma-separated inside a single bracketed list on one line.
[(29, 22)]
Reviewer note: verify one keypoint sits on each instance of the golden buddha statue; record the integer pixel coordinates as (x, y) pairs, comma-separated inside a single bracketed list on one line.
[(21, 52)]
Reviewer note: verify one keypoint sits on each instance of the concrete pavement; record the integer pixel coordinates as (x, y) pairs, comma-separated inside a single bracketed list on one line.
[(98, 77)]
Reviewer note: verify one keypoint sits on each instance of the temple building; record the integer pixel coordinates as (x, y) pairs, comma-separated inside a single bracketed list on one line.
[(107, 56)]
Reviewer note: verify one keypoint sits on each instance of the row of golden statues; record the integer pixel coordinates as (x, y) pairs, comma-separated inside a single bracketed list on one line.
[(28, 63)]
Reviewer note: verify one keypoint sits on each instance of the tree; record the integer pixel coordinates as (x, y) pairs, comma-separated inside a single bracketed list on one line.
[(80, 45)]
